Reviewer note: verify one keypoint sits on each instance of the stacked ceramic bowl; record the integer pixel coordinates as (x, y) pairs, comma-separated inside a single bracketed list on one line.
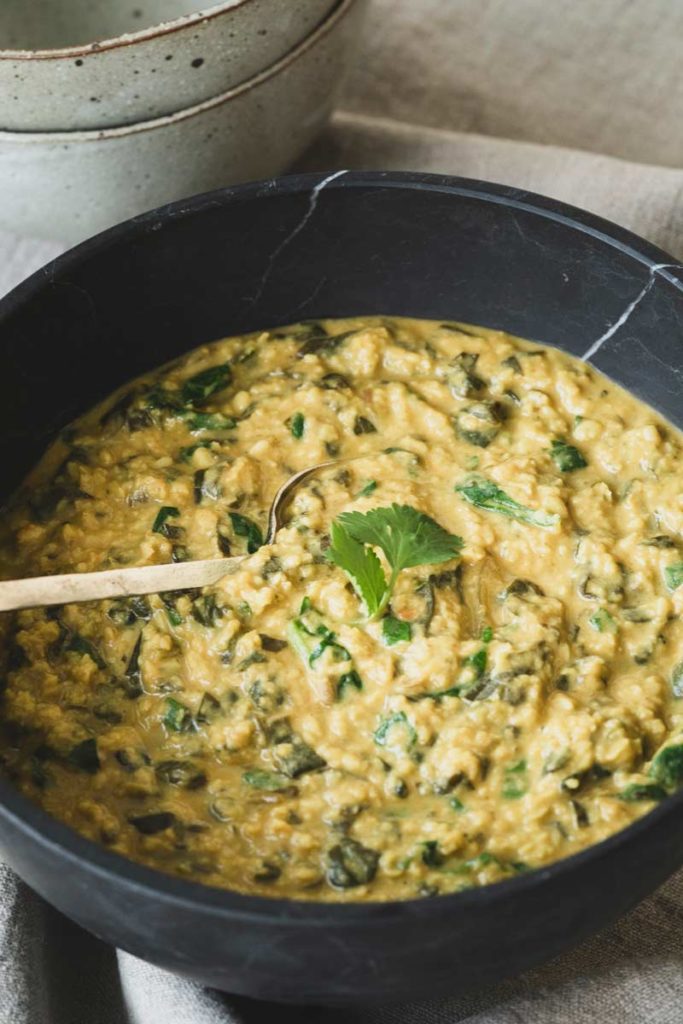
[(94, 132)]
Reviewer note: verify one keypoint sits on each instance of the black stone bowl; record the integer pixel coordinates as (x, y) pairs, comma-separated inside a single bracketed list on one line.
[(268, 254)]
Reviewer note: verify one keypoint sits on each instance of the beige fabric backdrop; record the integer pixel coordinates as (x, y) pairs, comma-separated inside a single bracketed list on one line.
[(605, 75)]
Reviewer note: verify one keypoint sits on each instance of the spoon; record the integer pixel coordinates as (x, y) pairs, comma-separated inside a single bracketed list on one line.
[(71, 588)]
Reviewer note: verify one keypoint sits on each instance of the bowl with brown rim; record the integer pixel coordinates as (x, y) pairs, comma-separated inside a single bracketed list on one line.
[(81, 65)]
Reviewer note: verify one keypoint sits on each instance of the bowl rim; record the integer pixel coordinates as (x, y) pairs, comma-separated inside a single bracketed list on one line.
[(50, 834), (162, 28), (327, 25)]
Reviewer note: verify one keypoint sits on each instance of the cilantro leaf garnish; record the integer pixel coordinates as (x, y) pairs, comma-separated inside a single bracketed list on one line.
[(405, 536), (362, 565)]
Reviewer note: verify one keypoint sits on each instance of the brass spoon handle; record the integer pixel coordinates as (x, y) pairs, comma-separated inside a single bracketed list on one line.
[(40, 591)]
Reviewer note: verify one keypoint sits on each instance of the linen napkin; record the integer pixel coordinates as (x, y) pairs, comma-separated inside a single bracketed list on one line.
[(51, 972), (600, 76)]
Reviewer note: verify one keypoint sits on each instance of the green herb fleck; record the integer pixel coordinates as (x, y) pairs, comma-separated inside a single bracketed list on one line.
[(452, 691), (177, 717), (296, 424), (245, 527), (566, 457), (437, 695), (160, 525), (133, 673), (667, 766), (206, 383), (486, 495), (85, 757), (396, 725), (673, 574), (515, 783), (367, 489), (150, 824), (270, 781), (479, 424), (198, 421), (513, 363), (206, 611), (185, 454), (255, 658), (476, 663), (209, 709), (328, 641), (395, 631), (173, 616), (603, 622), (361, 425), (460, 377), (677, 680), (485, 859), (80, 645), (311, 637), (431, 855), (348, 681), (642, 791), (349, 863), (292, 755)]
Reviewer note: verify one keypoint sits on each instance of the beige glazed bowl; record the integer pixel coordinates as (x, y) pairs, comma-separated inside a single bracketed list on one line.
[(53, 77), (70, 185)]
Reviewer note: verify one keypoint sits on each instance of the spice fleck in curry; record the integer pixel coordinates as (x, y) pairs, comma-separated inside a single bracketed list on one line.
[(461, 658)]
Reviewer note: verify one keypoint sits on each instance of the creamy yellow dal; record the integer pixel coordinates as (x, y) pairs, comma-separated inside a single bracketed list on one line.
[(521, 701)]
